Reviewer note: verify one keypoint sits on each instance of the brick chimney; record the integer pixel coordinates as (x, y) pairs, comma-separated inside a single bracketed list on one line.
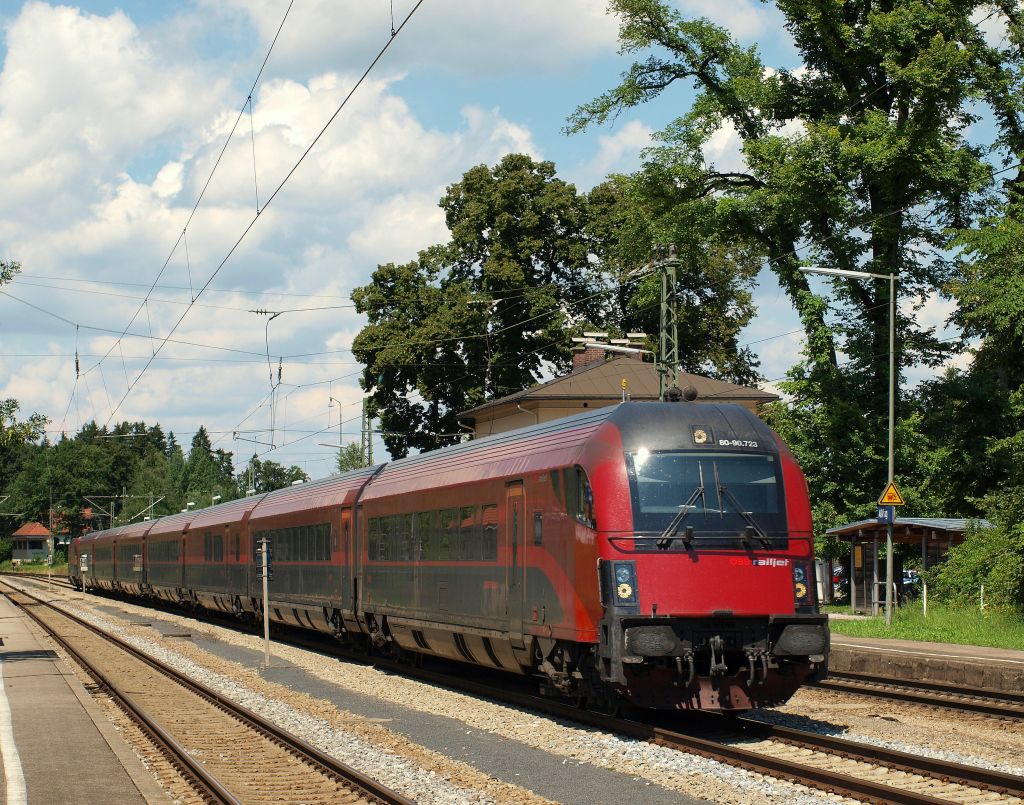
[(582, 357)]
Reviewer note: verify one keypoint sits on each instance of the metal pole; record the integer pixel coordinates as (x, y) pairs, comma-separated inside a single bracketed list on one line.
[(892, 429), (265, 566)]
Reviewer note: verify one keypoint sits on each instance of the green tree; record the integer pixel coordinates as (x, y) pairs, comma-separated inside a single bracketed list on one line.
[(266, 476), (628, 217), (859, 160), (479, 316), (351, 457), (207, 472), (13, 432)]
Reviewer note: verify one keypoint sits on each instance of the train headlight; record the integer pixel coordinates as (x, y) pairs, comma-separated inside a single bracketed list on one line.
[(620, 589), (802, 593)]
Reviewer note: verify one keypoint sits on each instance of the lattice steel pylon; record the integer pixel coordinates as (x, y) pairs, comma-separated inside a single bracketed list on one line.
[(366, 434), (668, 352)]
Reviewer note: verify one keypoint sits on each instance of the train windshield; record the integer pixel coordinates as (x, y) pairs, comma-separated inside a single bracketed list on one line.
[(714, 500)]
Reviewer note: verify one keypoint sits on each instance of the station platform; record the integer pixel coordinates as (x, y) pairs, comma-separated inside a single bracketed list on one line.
[(56, 744), (970, 666)]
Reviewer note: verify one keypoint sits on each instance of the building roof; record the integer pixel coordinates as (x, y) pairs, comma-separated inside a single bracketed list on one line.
[(602, 381), (32, 530), (915, 526)]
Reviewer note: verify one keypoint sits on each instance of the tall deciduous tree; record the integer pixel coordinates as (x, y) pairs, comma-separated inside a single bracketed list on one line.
[(477, 317), (628, 217), (858, 160)]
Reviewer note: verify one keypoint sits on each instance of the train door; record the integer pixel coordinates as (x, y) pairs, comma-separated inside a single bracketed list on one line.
[(346, 551), (515, 508)]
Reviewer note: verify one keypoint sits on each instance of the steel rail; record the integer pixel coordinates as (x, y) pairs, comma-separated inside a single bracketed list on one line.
[(985, 701), (201, 780), (821, 779), (973, 776), (293, 744), (813, 777)]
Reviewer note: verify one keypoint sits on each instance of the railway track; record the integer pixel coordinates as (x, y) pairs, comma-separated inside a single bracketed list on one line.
[(58, 581), (226, 752), (849, 768), (852, 769), (1000, 704)]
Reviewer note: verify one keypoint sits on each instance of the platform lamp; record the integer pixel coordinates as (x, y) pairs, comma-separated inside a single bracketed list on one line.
[(891, 279)]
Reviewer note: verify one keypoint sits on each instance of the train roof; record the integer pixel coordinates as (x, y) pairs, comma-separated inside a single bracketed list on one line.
[(226, 513), (538, 448), (335, 490)]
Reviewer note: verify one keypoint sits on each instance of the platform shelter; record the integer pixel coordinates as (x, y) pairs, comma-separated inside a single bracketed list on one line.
[(934, 535)]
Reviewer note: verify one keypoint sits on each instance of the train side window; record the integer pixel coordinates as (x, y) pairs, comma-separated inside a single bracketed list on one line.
[(373, 537), (469, 534), (584, 499), (489, 551), (424, 527), (556, 485), (538, 528), (449, 534), (403, 537)]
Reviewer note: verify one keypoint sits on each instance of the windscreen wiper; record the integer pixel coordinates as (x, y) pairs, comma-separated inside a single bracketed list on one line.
[(665, 540), (752, 526)]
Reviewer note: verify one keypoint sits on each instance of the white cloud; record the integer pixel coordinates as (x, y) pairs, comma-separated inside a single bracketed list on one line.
[(80, 93), (616, 153), (366, 194), (744, 19), (480, 38)]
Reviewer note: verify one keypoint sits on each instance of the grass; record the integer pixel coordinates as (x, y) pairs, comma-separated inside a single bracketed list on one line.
[(999, 628), (34, 567)]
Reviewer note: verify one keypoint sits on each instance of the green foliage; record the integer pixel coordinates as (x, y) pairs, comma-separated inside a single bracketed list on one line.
[(6, 549), (993, 557), (351, 457), (266, 476), (1000, 628), (8, 269), (860, 161), (13, 432), (477, 317), (531, 263), (628, 216)]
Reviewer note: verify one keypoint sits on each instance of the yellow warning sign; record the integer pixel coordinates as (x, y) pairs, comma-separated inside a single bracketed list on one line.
[(891, 496)]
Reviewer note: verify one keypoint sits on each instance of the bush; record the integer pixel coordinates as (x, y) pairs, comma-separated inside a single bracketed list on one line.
[(990, 556), (6, 549)]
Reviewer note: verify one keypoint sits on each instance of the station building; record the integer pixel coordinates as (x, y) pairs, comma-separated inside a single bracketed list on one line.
[(30, 543), (595, 383)]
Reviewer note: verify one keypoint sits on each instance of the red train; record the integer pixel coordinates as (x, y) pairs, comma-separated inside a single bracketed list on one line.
[(655, 553)]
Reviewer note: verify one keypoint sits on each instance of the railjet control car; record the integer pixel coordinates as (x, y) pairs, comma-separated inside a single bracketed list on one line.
[(653, 553)]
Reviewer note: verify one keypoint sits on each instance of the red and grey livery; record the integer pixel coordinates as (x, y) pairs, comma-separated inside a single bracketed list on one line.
[(655, 553)]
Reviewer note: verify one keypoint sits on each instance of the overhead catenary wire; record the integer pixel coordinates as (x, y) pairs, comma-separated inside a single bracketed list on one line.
[(273, 195)]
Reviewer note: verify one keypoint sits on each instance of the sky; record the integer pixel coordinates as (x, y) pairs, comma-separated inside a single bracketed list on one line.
[(114, 118)]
